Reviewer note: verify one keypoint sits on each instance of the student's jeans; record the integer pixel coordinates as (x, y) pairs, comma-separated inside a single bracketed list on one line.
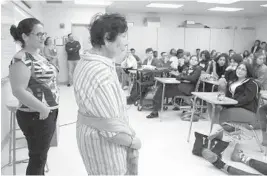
[(38, 134), (71, 67)]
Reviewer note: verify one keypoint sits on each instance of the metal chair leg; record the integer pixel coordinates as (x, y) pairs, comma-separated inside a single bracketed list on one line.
[(14, 142), (256, 138), (10, 140), (191, 120)]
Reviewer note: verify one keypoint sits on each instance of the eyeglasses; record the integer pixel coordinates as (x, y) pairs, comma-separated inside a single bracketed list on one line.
[(241, 69), (40, 34)]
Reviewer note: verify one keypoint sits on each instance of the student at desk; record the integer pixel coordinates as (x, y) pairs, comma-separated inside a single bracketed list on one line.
[(260, 70), (218, 66), (150, 60), (135, 92), (188, 78), (243, 89), (128, 63)]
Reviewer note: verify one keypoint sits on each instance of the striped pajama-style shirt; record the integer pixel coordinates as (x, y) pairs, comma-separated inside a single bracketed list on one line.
[(98, 93)]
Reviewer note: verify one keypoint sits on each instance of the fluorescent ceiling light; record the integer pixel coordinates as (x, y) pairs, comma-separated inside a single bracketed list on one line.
[(161, 5), (219, 1), (225, 9), (90, 2), (264, 5)]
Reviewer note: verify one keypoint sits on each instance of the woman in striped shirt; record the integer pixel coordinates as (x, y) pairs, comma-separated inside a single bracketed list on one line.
[(106, 141)]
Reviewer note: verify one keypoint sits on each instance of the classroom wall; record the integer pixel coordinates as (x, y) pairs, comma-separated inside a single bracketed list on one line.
[(173, 20), (260, 24), (189, 39), (67, 15)]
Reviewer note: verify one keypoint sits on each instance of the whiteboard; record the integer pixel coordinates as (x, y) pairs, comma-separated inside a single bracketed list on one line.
[(169, 38), (197, 38), (243, 40), (141, 38), (222, 40)]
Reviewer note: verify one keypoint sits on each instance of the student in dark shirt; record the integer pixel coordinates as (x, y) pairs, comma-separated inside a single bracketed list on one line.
[(218, 66), (72, 48), (188, 79), (243, 89), (256, 47), (204, 60), (230, 70)]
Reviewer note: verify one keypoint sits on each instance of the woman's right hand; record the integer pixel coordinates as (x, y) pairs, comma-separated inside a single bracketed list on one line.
[(44, 113), (136, 143)]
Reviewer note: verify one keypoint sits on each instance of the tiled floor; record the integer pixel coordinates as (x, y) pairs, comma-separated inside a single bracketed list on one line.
[(164, 147)]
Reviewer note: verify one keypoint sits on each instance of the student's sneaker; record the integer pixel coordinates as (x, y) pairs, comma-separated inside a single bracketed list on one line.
[(152, 115), (125, 87)]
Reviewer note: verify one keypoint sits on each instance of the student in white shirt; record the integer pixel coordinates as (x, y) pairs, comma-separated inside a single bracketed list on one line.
[(128, 63), (173, 59)]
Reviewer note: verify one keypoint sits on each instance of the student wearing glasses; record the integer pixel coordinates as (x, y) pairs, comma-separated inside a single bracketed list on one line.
[(34, 84), (245, 91)]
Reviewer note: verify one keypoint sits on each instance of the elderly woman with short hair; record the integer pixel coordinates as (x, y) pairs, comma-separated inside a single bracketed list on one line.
[(106, 141)]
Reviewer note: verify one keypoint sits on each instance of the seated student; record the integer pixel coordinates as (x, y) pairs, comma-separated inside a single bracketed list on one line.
[(260, 70), (243, 89), (204, 60), (198, 53), (231, 52), (173, 59), (213, 54), (264, 47), (139, 62), (256, 47), (150, 60), (155, 54), (235, 60), (218, 66), (184, 62), (128, 63), (188, 79), (135, 92), (246, 54), (164, 60), (262, 112)]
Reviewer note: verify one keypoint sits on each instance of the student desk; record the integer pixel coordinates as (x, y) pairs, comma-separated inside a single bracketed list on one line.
[(145, 79), (209, 97), (165, 81)]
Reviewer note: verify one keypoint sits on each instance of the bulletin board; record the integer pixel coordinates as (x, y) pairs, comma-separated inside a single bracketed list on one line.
[(169, 38), (244, 40)]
